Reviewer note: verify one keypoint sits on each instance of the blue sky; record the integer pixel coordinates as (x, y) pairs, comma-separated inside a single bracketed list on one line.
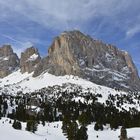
[(23, 22)]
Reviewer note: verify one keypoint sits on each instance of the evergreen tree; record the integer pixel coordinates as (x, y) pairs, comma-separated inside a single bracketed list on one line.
[(43, 122), (83, 119), (72, 130), (98, 126), (5, 107), (82, 134), (17, 125), (31, 126), (21, 112)]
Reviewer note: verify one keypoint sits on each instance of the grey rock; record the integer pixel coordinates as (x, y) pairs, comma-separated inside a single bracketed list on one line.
[(29, 60), (9, 61)]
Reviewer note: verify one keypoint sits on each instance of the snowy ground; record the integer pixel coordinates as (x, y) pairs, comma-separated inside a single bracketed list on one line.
[(49, 132), (27, 83), (52, 131), (108, 134)]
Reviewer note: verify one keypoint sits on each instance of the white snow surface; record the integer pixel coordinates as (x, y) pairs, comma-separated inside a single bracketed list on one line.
[(4, 58), (49, 132), (53, 131), (33, 57), (27, 83)]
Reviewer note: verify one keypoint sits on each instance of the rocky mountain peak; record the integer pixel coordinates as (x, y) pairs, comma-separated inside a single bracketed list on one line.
[(29, 59), (6, 50), (73, 53), (9, 61)]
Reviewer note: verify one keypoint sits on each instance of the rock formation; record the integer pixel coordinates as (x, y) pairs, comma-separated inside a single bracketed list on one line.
[(9, 61), (29, 60), (73, 53)]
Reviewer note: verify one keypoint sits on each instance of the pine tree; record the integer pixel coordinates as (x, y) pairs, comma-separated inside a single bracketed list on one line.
[(98, 126), (17, 125), (72, 130), (31, 126), (82, 134), (83, 119)]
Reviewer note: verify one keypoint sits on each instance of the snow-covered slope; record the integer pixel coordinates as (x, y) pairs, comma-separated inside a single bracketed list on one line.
[(53, 131), (26, 83), (17, 82), (49, 132)]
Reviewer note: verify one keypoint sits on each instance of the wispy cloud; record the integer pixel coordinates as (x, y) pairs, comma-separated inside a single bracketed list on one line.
[(17, 45), (22, 48), (28, 20), (12, 39), (132, 31), (62, 14)]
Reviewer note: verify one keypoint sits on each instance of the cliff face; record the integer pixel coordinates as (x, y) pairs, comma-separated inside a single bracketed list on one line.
[(73, 53), (29, 60), (9, 61)]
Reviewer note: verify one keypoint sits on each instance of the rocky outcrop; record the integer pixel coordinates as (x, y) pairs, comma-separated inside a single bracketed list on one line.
[(73, 53), (9, 61), (29, 60)]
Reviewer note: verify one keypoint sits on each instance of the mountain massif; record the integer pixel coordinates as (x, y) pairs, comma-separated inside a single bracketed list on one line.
[(80, 87), (73, 53)]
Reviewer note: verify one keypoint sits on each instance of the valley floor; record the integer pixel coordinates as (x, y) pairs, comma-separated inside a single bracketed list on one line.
[(53, 131)]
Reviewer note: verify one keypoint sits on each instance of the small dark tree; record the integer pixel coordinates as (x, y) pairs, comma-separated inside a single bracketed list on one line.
[(17, 125), (98, 126), (31, 126), (43, 122)]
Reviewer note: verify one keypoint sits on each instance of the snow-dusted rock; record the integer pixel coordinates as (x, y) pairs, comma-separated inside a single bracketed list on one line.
[(9, 61), (29, 60)]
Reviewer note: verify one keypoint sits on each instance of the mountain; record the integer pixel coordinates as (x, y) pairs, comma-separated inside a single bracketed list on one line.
[(72, 90), (77, 54), (9, 60), (29, 60), (73, 53)]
